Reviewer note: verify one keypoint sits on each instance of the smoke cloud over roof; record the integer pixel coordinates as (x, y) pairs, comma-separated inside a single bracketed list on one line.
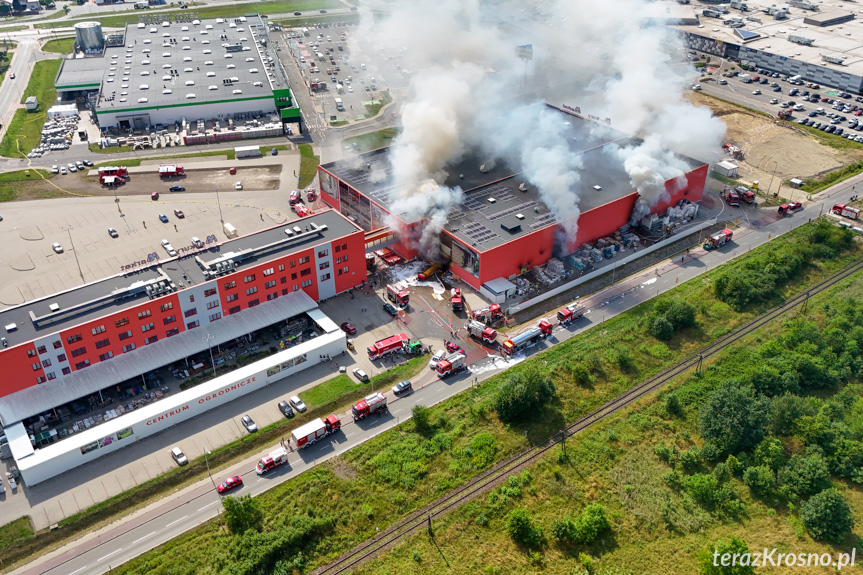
[(466, 90)]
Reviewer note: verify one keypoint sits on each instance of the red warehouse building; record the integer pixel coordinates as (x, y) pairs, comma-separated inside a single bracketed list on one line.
[(503, 227), (72, 344)]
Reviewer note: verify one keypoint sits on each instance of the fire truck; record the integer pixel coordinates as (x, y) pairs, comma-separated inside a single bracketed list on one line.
[(120, 171), (745, 194), (311, 194), (488, 314), (370, 261), (171, 170), (527, 338), (453, 363), (400, 297), (375, 403), (315, 430), (387, 346), (271, 461), (732, 197), (570, 313), (846, 211), (456, 301), (296, 196), (480, 331), (718, 240), (301, 210)]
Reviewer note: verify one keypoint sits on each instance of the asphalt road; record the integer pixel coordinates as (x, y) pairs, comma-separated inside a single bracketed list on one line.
[(164, 520)]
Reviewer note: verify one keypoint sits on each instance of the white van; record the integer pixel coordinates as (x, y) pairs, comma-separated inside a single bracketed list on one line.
[(178, 456)]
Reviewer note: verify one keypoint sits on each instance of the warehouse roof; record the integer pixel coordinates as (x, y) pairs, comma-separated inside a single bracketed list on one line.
[(177, 63), (80, 73), (64, 310)]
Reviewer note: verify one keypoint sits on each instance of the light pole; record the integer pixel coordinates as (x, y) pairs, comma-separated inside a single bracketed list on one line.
[(74, 253), (208, 339), (770, 187), (221, 219), (207, 461)]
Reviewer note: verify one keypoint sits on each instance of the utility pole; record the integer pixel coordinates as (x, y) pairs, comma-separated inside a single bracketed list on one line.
[(207, 461), (212, 363), (221, 218), (74, 253)]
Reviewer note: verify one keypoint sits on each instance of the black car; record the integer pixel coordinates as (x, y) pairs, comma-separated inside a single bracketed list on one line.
[(177, 189), (390, 309), (298, 13), (402, 387), (323, 11), (286, 409)]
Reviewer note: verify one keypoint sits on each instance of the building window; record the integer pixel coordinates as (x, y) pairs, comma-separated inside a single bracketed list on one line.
[(169, 319), (305, 272), (210, 292), (307, 283), (143, 314), (212, 304), (40, 379), (231, 285), (250, 278), (323, 265), (191, 298), (125, 335), (41, 349), (281, 267), (234, 309), (293, 276), (67, 370), (171, 332), (325, 277), (151, 339), (283, 280), (148, 327), (345, 258), (232, 297), (46, 363), (284, 291), (31, 353), (73, 338), (57, 344), (79, 351), (128, 348), (344, 246), (215, 316), (303, 260), (338, 261), (254, 302), (98, 330), (61, 357), (296, 287), (269, 284), (251, 290), (323, 253), (269, 271), (272, 296), (293, 264), (121, 322), (82, 364), (338, 249), (106, 355), (193, 324), (191, 312), (167, 306), (36, 367), (102, 343), (51, 375)]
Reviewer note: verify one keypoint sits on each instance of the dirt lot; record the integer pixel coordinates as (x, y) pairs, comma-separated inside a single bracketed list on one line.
[(769, 145), (196, 180)]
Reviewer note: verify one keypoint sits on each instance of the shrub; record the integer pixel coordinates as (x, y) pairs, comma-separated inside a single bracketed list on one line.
[(827, 516), (710, 565), (733, 418), (661, 328), (242, 514), (523, 394), (421, 415), (761, 479), (681, 314), (482, 449), (672, 404), (805, 475), (520, 527), (689, 459), (580, 374), (770, 453), (585, 529)]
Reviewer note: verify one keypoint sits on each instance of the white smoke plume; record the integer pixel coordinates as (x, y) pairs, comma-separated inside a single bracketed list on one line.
[(466, 92)]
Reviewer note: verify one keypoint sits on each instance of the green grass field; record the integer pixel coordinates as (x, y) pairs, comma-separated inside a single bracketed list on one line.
[(11, 182), (25, 130), (379, 481), (372, 140), (308, 165), (60, 45)]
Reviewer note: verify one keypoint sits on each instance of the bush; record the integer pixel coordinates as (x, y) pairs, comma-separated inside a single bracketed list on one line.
[(805, 475), (421, 415), (520, 527), (242, 514), (681, 315), (585, 529), (580, 374), (761, 480), (733, 418), (710, 559), (523, 394), (482, 449), (661, 328), (672, 404), (770, 453), (827, 516)]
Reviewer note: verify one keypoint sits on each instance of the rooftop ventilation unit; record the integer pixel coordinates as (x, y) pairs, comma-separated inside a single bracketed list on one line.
[(54, 307), (833, 59), (802, 40), (522, 187), (520, 216), (597, 188), (491, 200)]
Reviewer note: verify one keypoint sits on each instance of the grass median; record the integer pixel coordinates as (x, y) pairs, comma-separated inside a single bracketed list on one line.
[(308, 165), (60, 45), (25, 130)]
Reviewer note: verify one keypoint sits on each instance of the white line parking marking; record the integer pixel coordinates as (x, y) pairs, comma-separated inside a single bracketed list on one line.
[(142, 538), (177, 521), (109, 554)]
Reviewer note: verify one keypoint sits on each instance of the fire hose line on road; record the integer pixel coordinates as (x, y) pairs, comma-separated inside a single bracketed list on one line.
[(497, 474)]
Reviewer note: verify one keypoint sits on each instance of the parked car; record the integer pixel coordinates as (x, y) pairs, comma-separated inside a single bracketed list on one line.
[(238, 186), (62, 170), (249, 424), (71, 167), (55, 169), (178, 456), (390, 309), (230, 483), (402, 387), (360, 374), (297, 403), (57, 248), (348, 327), (163, 218), (438, 355), (112, 232), (285, 408), (176, 188), (179, 214), (232, 171), (197, 242), (169, 248)]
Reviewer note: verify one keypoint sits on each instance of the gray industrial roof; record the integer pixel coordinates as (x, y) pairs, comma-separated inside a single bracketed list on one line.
[(486, 224), (182, 63), (41, 398), (80, 72), (72, 311)]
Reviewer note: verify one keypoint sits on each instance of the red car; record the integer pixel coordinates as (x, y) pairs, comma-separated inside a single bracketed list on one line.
[(794, 206), (349, 328), (179, 213), (230, 483), (232, 171)]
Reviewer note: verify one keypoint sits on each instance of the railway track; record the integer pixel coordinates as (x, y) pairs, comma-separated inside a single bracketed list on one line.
[(421, 519)]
